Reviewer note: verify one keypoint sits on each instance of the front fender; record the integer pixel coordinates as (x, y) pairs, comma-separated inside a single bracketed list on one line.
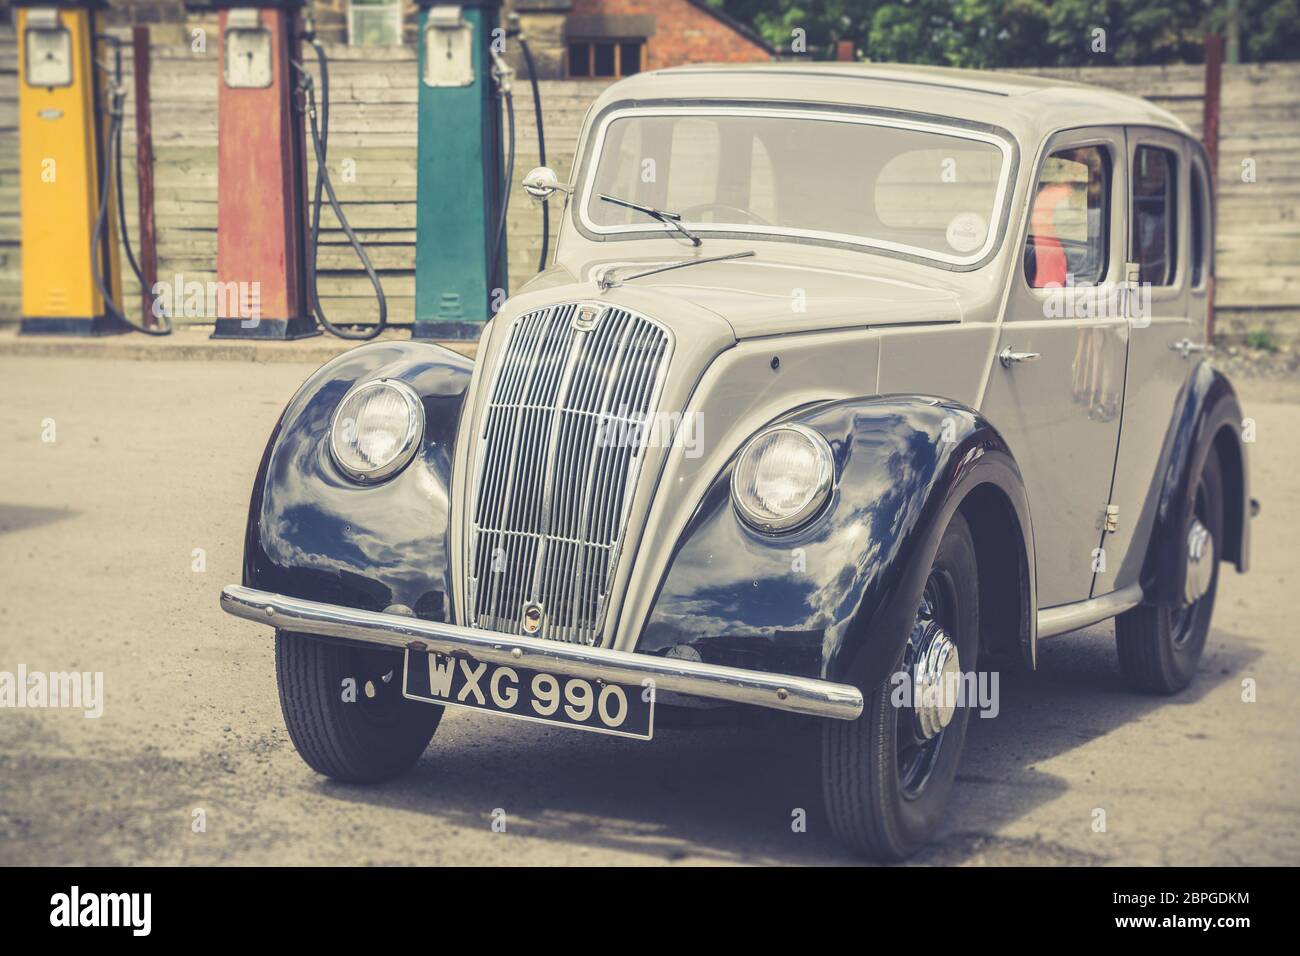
[(313, 533), (838, 598)]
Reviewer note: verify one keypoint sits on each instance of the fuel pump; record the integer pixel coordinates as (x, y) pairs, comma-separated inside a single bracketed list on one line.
[(263, 233), (70, 99), (464, 88), (261, 226)]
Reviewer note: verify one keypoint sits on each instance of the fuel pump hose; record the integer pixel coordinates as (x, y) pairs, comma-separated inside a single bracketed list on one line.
[(541, 141), (497, 246), (110, 155), (319, 131)]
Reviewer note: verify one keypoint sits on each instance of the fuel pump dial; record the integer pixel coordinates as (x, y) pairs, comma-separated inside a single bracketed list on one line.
[(47, 49), (248, 51), (448, 48)]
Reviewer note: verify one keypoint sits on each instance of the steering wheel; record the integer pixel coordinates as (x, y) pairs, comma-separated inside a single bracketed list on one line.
[(695, 210)]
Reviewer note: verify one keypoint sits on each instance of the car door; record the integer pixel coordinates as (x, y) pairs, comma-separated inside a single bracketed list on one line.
[(1056, 387), (1169, 240)]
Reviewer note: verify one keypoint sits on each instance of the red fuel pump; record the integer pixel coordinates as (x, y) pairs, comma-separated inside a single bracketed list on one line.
[(261, 226), (266, 249)]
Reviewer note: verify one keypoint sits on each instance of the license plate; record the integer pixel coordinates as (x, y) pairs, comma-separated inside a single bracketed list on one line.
[(606, 708)]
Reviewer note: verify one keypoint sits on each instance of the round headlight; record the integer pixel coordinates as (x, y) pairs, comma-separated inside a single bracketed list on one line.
[(783, 478), (376, 430)]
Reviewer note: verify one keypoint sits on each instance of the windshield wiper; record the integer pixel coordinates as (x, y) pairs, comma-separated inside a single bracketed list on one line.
[(608, 280), (671, 219)]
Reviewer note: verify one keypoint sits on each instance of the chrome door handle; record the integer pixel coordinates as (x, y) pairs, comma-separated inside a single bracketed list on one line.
[(1008, 357), (1185, 347)]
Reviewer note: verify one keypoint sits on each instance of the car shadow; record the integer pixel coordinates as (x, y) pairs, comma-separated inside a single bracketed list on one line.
[(735, 790)]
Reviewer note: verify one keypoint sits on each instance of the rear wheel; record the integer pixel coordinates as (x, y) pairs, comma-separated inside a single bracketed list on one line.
[(887, 776), (344, 709), (1160, 647)]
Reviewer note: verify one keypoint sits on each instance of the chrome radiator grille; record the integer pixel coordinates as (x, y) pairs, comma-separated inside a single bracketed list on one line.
[(556, 465)]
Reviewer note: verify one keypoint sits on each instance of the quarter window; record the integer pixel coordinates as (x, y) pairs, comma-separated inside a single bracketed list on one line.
[(1069, 219), (1155, 219)]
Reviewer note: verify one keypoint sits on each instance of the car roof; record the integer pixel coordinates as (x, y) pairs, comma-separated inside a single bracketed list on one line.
[(1029, 107)]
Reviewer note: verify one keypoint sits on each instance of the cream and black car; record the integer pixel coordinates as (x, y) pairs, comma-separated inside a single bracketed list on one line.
[(847, 384)]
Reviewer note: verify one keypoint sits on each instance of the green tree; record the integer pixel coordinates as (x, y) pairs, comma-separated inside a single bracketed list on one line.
[(1022, 33)]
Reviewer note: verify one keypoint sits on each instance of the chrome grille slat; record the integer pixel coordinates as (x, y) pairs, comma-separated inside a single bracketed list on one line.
[(545, 493)]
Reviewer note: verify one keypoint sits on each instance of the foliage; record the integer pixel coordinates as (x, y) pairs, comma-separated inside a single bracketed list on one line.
[(1262, 339), (1023, 33)]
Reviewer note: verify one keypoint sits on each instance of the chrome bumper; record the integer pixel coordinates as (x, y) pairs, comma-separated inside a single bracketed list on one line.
[(800, 695)]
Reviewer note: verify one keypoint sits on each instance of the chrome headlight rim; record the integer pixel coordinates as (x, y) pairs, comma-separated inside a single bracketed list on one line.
[(411, 441), (822, 486)]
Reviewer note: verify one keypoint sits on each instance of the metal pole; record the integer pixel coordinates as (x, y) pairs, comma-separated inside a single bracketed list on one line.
[(1210, 137), (144, 171)]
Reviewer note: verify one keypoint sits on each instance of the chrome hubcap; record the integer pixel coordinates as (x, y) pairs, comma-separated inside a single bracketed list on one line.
[(1200, 561), (935, 681)]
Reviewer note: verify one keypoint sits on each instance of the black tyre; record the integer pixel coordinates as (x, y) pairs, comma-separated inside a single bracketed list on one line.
[(358, 733), (886, 777), (1160, 647)]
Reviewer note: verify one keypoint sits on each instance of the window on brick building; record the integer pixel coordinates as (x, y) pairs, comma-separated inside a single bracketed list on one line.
[(374, 22), (605, 57)]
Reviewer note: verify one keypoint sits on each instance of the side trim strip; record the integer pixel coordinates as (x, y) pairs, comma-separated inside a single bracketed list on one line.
[(1071, 617)]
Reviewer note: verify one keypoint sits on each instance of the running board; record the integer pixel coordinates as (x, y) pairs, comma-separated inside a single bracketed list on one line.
[(1071, 617)]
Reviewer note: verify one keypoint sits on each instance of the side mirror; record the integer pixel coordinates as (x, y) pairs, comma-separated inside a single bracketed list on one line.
[(542, 183)]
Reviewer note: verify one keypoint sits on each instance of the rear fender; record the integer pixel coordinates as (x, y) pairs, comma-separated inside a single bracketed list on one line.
[(1208, 421)]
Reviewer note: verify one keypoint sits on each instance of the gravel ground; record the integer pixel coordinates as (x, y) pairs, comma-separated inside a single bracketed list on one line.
[(152, 460)]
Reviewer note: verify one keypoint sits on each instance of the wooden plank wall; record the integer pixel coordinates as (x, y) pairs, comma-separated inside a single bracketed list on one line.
[(373, 133)]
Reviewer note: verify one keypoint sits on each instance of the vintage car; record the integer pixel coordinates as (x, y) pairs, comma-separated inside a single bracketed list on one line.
[(847, 385)]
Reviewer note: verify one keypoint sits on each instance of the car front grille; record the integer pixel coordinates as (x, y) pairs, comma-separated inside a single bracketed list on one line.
[(560, 445)]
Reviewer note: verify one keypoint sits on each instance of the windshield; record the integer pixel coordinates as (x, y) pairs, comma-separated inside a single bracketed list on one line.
[(924, 190)]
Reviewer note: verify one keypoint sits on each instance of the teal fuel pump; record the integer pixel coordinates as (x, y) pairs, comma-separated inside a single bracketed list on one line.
[(460, 249)]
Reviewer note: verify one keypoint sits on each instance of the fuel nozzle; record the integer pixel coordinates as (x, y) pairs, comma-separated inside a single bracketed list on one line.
[(502, 72), (308, 24)]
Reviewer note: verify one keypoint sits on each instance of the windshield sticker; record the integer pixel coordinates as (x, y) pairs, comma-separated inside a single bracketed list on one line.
[(967, 231)]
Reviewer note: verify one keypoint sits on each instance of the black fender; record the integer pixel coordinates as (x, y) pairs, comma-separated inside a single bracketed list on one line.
[(313, 533), (837, 598), (1207, 420)]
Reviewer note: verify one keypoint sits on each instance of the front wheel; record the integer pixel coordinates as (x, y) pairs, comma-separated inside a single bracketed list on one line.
[(887, 776), (344, 709)]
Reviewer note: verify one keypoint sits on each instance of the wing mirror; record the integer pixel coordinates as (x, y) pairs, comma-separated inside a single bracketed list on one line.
[(542, 183)]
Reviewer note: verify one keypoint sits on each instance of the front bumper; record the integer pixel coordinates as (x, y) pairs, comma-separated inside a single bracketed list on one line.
[(800, 695)]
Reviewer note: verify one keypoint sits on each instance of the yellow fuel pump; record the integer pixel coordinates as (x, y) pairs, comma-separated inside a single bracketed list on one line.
[(69, 127)]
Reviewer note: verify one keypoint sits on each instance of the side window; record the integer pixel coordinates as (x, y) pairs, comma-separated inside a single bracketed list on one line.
[(1200, 209), (1154, 239), (1069, 221)]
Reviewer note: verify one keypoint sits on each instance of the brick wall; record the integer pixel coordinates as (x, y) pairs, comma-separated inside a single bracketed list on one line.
[(684, 34)]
